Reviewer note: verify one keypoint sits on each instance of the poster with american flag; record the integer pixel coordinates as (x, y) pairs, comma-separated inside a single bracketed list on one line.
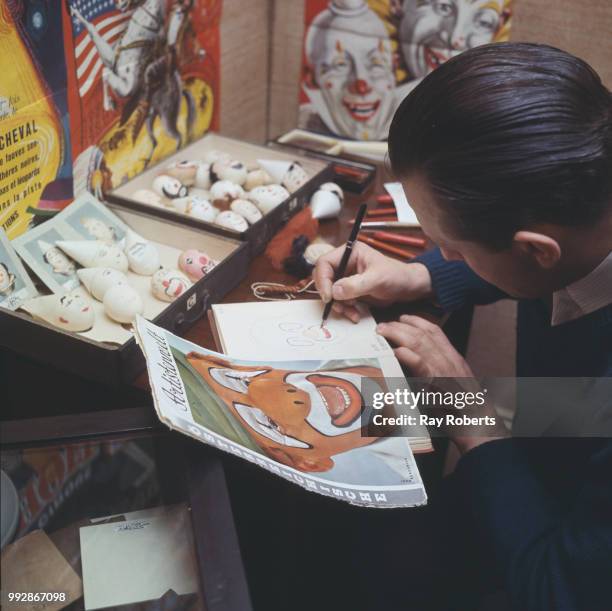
[(143, 82)]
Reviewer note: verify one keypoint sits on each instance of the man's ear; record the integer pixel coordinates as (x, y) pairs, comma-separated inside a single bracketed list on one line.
[(544, 249)]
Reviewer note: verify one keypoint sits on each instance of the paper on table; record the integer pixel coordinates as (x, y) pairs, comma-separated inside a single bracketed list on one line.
[(405, 214), (290, 330), (137, 560)]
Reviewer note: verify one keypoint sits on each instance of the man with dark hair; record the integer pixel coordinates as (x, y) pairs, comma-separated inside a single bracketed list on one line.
[(505, 153)]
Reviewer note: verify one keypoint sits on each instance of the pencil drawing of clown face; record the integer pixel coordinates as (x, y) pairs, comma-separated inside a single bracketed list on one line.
[(433, 31), (299, 418), (351, 61)]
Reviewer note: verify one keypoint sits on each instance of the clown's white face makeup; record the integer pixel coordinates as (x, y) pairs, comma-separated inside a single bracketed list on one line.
[(74, 313), (356, 81), (433, 31)]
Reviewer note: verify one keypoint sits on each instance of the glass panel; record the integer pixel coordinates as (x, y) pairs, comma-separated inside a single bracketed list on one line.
[(97, 526)]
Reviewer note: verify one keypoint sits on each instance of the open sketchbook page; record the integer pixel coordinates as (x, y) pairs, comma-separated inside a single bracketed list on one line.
[(292, 329), (302, 419)]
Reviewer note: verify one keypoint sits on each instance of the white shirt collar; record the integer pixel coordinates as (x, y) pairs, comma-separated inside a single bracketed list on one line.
[(584, 296)]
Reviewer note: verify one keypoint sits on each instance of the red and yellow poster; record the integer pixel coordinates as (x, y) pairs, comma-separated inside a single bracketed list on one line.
[(143, 80), (35, 165), (362, 57)]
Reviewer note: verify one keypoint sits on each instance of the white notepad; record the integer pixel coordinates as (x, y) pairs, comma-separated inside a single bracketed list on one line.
[(137, 560)]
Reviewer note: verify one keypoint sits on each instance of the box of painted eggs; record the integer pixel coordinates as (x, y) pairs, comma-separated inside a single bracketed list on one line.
[(227, 186), (95, 267)]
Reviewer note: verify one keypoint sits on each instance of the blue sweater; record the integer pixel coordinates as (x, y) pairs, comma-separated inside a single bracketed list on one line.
[(539, 510)]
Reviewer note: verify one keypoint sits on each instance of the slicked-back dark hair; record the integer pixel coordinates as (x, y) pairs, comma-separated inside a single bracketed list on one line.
[(506, 135)]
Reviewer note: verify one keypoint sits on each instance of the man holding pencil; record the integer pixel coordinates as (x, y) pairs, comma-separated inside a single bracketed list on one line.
[(505, 154)]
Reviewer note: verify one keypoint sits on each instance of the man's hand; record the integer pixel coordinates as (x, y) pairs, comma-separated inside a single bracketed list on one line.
[(370, 277), (424, 348)]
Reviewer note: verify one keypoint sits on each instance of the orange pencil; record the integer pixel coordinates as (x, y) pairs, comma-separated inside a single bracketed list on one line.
[(400, 252), (384, 199), (387, 236), (382, 212)]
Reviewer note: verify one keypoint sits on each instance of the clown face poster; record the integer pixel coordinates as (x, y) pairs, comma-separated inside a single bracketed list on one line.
[(362, 57), (35, 164), (301, 419), (143, 81)]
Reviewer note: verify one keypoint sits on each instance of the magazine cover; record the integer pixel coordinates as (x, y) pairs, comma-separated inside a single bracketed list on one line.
[(362, 57), (35, 162), (301, 420), (144, 81)]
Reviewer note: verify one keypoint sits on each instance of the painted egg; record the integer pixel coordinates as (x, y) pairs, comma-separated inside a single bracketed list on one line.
[(231, 220), (257, 178), (197, 208), (225, 191), (246, 209), (95, 254), (266, 198), (232, 170), (98, 280), (122, 303), (169, 284), (142, 256), (334, 188), (195, 263), (169, 187), (70, 312), (325, 205)]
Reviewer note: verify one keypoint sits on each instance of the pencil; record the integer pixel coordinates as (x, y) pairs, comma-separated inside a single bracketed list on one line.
[(387, 236), (345, 257), (400, 252), (382, 212)]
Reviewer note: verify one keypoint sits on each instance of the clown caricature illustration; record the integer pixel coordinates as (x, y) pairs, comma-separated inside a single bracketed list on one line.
[(351, 84), (433, 31), (302, 419), (362, 57)]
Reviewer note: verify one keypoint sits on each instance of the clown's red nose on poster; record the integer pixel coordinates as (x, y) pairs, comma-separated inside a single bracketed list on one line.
[(302, 420), (362, 57)]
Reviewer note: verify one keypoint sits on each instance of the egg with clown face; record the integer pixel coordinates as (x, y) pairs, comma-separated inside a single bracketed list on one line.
[(195, 263), (169, 284)]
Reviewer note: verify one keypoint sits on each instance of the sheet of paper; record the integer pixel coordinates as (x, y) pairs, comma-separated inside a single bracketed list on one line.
[(405, 213), (137, 560), (290, 330), (34, 564)]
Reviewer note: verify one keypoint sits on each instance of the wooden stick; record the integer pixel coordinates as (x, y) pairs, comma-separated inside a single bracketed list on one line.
[(400, 252), (387, 236)]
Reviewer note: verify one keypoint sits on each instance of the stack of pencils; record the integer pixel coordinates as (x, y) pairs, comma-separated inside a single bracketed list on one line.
[(387, 241)]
